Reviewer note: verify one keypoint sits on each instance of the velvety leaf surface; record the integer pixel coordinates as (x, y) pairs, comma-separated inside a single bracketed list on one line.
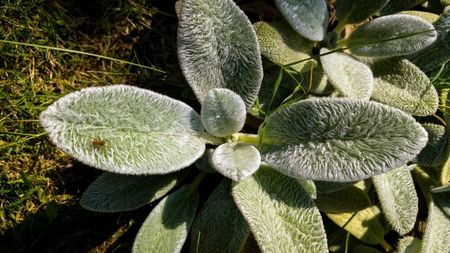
[(391, 35), (398, 198), (220, 226), (236, 160), (355, 11), (394, 6), (124, 129), (401, 84), (432, 154), (223, 112), (308, 17), (281, 215), (349, 76), (112, 192), (442, 199), (437, 53), (428, 16), (437, 232), (167, 226), (365, 225), (409, 244), (350, 199), (282, 45), (317, 82), (218, 48), (334, 139), (309, 187)]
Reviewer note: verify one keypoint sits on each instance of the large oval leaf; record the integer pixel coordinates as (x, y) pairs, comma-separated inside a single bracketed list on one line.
[(399, 5), (307, 17), (437, 232), (401, 84), (349, 76), (398, 198), (223, 112), (112, 192), (220, 226), (125, 129), (281, 215), (335, 139), (218, 48), (167, 226), (391, 35), (236, 160), (282, 45), (355, 11)]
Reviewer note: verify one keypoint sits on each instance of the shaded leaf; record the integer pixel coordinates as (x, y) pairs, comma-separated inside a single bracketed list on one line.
[(401, 84), (203, 162), (236, 160), (327, 187), (342, 140), (437, 232), (218, 48), (349, 76), (282, 45), (409, 244), (167, 226), (350, 199), (308, 18), (432, 154), (317, 82), (281, 215), (355, 11), (398, 198), (363, 248), (119, 193), (391, 35), (220, 226), (125, 130), (365, 225), (223, 112), (441, 196), (309, 187), (399, 5)]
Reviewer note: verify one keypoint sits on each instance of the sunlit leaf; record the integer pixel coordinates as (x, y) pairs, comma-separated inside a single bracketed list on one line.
[(395, 6), (308, 18), (437, 232), (119, 193), (236, 160), (409, 244), (220, 226), (349, 76), (334, 139), (124, 129), (309, 187), (223, 112), (282, 45), (365, 225), (391, 35), (401, 84), (428, 16), (432, 154), (350, 199), (355, 11), (218, 48), (398, 198), (167, 226), (281, 215)]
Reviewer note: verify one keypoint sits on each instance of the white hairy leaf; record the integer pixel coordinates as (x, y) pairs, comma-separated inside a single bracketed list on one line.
[(333, 139), (220, 226), (401, 84), (223, 112), (391, 35), (126, 130), (281, 215), (437, 232), (167, 226), (365, 225), (218, 48), (309, 187), (236, 160), (398, 198), (308, 17), (432, 154), (282, 45), (349, 76), (409, 244), (356, 11), (112, 192)]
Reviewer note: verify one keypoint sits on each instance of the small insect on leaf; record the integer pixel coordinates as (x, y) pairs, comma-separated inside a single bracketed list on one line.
[(98, 143)]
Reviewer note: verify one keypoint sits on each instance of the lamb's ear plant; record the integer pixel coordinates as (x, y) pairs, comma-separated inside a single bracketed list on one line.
[(354, 138)]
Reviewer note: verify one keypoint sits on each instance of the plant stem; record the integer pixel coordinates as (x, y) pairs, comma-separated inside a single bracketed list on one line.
[(387, 247), (197, 180), (247, 138), (425, 182)]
